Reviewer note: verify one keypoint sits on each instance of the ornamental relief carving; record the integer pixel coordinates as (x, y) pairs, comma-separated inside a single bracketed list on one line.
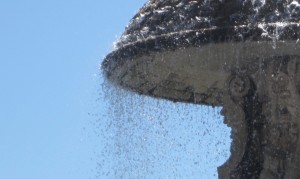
[(263, 111), (281, 133), (236, 115)]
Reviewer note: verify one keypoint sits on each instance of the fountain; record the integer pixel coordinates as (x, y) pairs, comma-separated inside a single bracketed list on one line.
[(243, 55)]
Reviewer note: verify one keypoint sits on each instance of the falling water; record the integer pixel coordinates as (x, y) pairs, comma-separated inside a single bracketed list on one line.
[(149, 138)]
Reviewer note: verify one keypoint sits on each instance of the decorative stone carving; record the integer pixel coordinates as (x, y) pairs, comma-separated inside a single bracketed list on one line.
[(231, 112), (282, 130), (242, 112), (264, 114), (239, 86)]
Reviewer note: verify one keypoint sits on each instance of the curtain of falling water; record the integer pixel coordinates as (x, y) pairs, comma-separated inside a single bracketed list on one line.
[(143, 137)]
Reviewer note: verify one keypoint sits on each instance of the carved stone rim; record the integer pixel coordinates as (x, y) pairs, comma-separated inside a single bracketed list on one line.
[(197, 38), (201, 42)]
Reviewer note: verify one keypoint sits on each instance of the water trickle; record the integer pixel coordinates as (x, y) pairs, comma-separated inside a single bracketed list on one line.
[(150, 138)]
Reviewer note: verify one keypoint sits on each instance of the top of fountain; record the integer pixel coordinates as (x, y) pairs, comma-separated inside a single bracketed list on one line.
[(159, 17), (168, 42)]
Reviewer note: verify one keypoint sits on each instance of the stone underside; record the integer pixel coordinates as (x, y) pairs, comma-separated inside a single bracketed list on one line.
[(264, 114), (140, 61), (195, 74)]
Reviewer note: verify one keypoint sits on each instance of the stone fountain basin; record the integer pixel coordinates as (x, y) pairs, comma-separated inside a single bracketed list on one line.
[(194, 66)]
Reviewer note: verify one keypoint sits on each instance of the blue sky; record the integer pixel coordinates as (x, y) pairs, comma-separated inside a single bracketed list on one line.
[(50, 100)]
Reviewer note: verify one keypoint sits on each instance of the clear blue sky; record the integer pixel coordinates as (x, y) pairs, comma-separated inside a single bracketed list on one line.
[(51, 105)]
